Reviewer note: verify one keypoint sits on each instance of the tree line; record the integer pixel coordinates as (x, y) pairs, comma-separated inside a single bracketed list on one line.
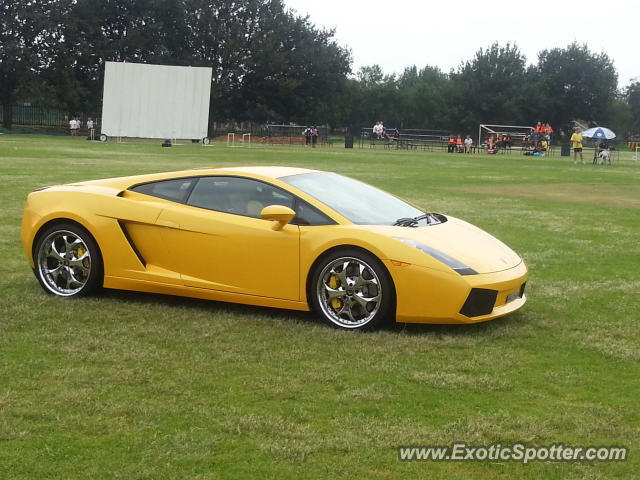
[(497, 86), (272, 65)]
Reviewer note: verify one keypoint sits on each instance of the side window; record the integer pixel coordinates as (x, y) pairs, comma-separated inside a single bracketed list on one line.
[(309, 215), (176, 190), (240, 196)]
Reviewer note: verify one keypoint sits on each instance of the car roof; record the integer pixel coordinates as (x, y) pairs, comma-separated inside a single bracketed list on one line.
[(264, 172)]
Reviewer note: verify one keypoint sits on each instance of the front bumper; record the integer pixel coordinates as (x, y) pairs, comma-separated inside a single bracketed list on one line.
[(429, 296), (29, 221)]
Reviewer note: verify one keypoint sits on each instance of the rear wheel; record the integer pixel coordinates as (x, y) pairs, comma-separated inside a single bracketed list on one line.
[(352, 290), (68, 261)]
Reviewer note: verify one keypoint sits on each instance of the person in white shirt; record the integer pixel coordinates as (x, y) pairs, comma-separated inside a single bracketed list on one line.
[(468, 143), (376, 130), (90, 128), (74, 126)]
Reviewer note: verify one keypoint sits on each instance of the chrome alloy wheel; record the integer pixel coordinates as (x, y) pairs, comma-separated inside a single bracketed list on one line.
[(349, 292), (64, 263)]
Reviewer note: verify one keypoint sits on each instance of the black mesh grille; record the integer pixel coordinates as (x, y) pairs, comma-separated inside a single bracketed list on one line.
[(479, 302)]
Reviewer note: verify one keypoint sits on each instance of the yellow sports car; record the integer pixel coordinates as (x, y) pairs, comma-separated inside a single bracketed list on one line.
[(271, 236)]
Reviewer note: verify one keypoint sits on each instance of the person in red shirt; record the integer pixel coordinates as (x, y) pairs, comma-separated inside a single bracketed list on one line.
[(459, 145), (538, 133), (491, 145)]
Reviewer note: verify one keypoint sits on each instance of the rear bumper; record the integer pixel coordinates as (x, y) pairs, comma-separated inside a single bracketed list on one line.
[(428, 296)]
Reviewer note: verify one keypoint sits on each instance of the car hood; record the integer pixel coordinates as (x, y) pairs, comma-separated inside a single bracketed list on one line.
[(460, 240)]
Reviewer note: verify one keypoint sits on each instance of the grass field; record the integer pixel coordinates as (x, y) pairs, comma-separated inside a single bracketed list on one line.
[(139, 386)]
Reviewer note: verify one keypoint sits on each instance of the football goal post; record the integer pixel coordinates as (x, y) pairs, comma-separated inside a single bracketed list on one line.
[(514, 131)]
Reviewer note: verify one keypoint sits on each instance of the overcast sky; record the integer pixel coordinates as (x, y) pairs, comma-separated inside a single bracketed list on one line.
[(399, 33)]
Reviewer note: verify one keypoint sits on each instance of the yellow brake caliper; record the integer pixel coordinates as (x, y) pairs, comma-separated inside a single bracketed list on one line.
[(334, 282), (79, 253)]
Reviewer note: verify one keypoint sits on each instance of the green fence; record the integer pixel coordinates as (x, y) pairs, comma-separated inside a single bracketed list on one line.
[(37, 116)]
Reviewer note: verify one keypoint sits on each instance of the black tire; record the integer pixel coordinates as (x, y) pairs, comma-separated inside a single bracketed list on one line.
[(67, 261), (364, 303)]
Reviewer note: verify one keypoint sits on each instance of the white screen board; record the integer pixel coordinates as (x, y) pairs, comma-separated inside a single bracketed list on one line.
[(155, 101)]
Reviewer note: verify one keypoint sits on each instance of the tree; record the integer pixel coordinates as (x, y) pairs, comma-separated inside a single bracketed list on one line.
[(267, 63), (488, 88), (296, 71), (576, 83), (371, 76), (620, 117), (96, 31), (27, 29), (377, 97), (422, 97), (632, 96)]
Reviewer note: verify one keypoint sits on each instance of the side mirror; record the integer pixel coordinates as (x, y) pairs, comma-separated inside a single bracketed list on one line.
[(279, 214)]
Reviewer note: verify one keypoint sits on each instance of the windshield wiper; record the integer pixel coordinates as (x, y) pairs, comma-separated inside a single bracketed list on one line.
[(412, 222)]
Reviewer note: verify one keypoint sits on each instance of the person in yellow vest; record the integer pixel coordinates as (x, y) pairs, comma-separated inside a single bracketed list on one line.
[(576, 141), (544, 145)]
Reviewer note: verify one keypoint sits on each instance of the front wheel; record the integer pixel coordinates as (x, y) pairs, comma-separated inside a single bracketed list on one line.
[(352, 290), (68, 261)]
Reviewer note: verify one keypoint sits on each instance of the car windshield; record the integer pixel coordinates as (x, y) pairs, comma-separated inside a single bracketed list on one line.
[(358, 202)]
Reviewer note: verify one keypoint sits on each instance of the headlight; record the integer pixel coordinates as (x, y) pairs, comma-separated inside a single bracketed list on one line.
[(451, 262)]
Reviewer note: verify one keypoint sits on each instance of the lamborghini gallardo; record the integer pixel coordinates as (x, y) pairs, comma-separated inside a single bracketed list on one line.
[(280, 237)]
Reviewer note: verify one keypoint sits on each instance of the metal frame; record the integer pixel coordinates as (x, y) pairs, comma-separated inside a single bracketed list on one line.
[(245, 140), (490, 129)]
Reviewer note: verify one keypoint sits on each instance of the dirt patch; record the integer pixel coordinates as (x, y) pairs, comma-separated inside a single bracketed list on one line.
[(592, 194), (264, 140)]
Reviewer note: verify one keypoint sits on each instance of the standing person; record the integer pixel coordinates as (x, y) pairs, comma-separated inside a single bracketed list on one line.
[(576, 140), (307, 136), (90, 128), (314, 136), (72, 126)]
